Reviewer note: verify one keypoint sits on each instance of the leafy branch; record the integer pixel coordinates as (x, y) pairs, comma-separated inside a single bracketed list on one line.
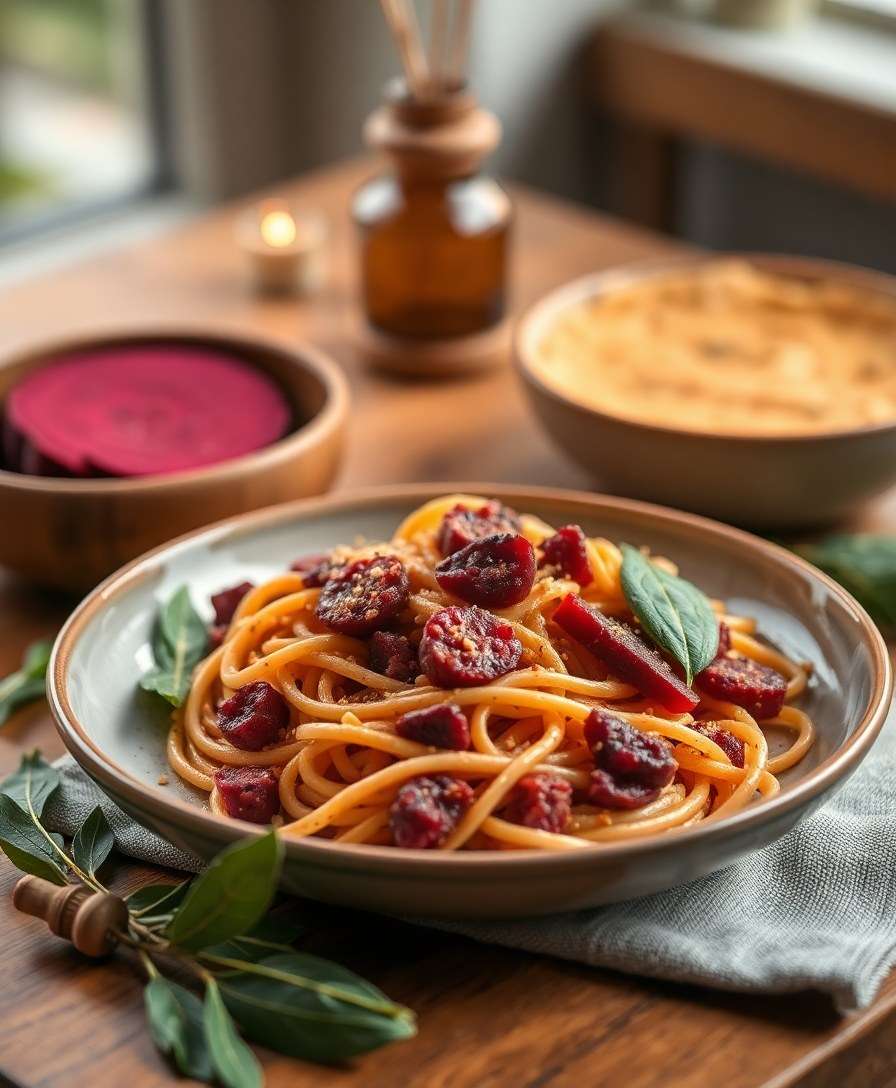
[(27, 683), (219, 929)]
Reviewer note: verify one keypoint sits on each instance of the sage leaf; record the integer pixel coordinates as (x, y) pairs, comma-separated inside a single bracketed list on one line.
[(179, 643), (268, 937), (27, 683), (673, 612), (864, 564), (176, 1025), (313, 1009), (26, 845), (231, 896), (93, 842), (234, 1063), (154, 902), (35, 781)]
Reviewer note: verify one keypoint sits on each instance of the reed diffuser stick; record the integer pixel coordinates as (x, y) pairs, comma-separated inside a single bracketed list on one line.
[(439, 42), (461, 44), (407, 39)]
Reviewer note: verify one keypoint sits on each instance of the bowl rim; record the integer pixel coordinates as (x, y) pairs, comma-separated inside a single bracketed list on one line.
[(382, 859), (532, 322), (303, 438)]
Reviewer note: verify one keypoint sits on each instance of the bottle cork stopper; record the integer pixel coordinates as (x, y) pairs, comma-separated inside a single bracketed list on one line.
[(90, 920)]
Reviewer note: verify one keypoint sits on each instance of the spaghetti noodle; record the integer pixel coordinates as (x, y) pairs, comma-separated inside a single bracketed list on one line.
[(359, 737)]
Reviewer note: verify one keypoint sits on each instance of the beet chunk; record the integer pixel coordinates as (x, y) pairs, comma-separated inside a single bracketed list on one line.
[(314, 569), (442, 726), (226, 602), (249, 793), (461, 526), (757, 688), (724, 640), (631, 767), (363, 596), (140, 410), (732, 746), (462, 647), (254, 716), (624, 654), (495, 572), (393, 655), (566, 550), (541, 801), (427, 809)]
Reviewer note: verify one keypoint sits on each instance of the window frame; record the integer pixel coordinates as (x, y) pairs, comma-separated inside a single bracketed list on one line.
[(156, 103)]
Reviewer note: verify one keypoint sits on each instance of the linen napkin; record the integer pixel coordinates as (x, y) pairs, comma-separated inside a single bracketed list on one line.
[(815, 910)]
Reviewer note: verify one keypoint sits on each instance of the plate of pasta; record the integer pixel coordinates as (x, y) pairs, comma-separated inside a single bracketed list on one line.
[(472, 702)]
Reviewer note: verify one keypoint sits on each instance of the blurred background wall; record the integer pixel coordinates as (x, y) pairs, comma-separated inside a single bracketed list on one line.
[(208, 99)]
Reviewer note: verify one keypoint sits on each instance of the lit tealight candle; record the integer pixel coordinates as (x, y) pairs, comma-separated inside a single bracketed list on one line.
[(284, 248)]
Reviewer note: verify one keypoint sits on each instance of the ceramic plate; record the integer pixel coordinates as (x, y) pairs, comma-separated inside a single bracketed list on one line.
[(117, 733)]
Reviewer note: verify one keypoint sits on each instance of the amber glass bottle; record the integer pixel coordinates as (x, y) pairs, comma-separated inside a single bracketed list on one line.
[(434, 232)]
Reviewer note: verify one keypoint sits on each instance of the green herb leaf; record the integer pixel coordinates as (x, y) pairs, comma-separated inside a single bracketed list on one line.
[(313, 1009), (27, 683), (865, 565), (270, 936), (180, 641), (35, 780), (234, 1063), (675, 614), (157, 902), (26, 846), (93, 842), (176, 1025), (232, 894)]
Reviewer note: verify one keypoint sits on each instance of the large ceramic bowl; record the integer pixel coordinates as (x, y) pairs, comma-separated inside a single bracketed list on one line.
[(756, 481), (71, 533), (117, 734)]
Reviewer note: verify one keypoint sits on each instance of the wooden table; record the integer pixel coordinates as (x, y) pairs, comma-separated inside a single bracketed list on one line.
[(488, 1017)]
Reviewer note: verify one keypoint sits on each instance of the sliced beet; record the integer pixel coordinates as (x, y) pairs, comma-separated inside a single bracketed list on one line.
[(364, 596), (141, 411), (630, 767), (462, 647), (461, 525), (394, 656), (249, 793), (624, 654), (442, 726), (542, 801), (732, 746), (757, 688), (495, 572), (567, 551), (427, 809)]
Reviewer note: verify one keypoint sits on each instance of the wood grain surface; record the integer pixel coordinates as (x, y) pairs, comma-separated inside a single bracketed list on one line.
[(488, 1017)]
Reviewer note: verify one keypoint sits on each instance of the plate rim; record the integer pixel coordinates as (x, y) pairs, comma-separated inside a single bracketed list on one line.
[(382, 859)]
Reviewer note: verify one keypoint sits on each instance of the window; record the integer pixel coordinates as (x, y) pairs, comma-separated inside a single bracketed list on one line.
[(79, 111)]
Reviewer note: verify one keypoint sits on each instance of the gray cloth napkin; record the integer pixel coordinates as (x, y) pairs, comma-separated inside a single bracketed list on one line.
[(815, 910)]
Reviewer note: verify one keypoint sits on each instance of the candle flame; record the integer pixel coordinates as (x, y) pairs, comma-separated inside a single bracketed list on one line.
[(278, 229)]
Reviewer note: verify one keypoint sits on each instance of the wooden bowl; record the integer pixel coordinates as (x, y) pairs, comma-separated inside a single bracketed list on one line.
[(71, 533), (118, 734), (788, 482)]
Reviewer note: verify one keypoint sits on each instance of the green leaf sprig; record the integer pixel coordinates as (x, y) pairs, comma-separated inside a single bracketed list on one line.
[(864, 564), (179, 643), (673, 612), (27, 683), (217, 928)]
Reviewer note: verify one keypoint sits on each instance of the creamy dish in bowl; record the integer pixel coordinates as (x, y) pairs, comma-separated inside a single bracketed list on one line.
[(729, 346)]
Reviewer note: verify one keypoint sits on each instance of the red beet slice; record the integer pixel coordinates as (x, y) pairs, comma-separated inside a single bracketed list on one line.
[(757, 688), (463, 647), (624, 654), (461, 525), (732, 746), (393, 655), (566, 550), (442, 726), (249, 793), (630, 767), (363, 596), (140, 411), (226, 601), (427, 809), (495, 572), (541, 801), (254, 716), (314, 569)]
